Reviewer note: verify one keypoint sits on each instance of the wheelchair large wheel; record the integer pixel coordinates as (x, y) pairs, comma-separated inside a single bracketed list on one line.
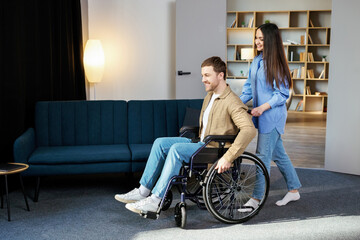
[(227, 192)]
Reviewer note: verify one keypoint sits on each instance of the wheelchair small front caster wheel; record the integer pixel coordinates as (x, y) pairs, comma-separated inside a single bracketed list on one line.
[(180, 214), (167, 201)]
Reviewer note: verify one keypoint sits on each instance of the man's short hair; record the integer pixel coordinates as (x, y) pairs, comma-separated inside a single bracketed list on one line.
[(216, 62)]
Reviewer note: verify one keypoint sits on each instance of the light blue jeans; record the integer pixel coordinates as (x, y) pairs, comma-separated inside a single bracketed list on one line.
[(270, 147), (166, 158)]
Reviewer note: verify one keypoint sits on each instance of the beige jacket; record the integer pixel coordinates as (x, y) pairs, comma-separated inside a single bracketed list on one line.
[(227, 116)]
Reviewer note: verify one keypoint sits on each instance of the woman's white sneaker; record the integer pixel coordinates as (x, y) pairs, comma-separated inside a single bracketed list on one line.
[(289, 197), (249, 206)]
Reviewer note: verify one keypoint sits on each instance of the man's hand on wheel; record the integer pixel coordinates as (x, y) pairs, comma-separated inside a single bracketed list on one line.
[(223, 165)]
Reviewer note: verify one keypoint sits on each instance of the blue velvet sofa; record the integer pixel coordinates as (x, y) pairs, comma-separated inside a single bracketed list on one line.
[(80, 137)]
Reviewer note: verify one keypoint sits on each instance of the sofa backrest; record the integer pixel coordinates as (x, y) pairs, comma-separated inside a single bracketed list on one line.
[(150, 119), (69, 123)]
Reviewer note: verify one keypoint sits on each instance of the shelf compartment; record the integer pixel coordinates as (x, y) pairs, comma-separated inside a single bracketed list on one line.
[(317, 69), (318, 36), (298, 87), (318, 53), (320, 18), (296, 103), (317, 86), (240, 36), (296, 50), (230, 18), (298, 19), (281, 18), (315, 104), (234, 69), (243, 19), (293, 34), (230, 53)]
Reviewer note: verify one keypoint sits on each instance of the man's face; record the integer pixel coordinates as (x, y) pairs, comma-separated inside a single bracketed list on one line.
[(210, 78)]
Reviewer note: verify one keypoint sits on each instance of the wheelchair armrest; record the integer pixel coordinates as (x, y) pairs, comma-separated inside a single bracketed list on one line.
[(189, 129), (222, 139)]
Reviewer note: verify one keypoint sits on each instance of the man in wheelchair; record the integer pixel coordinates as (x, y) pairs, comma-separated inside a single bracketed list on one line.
[(222, 113)]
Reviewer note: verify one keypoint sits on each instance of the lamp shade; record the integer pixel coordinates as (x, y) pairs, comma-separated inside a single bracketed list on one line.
[(94, 61), (247, 53)]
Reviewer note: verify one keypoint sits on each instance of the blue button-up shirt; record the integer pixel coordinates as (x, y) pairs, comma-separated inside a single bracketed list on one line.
[(257, 89)]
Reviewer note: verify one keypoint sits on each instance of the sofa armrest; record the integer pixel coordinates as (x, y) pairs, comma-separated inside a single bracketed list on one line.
[(24, 145)]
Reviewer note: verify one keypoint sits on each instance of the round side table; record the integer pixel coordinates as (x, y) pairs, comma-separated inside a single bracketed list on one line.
[(12, 168)]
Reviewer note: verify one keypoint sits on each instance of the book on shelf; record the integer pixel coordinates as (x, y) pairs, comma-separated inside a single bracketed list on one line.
[(320, 93), (295, 73), (303, 72), (237, 56), (302, 39), (310, 73), (291, 42), (233, 23), (298, 105), (310, 40), (299, 73), (251, 21), (302, 58), (322, 74), (308, 91), (310, 57)]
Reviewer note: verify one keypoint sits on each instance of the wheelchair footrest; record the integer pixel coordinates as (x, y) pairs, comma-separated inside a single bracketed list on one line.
[(150, 215)]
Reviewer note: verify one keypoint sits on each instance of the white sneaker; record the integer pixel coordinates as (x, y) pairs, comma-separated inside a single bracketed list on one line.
[(249, 206), (130, 197), (290, 196), (145, 205)]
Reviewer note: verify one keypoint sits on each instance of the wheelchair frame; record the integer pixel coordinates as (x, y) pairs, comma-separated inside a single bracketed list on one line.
[(213, 201)]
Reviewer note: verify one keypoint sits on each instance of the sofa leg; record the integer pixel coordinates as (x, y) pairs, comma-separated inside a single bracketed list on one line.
[(37, 189)]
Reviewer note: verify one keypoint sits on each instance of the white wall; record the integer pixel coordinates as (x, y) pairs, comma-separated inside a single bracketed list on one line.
[(342, 149), (138, 38)]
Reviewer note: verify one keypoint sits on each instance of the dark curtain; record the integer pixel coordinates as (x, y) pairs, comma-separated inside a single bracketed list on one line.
[(41, 59)]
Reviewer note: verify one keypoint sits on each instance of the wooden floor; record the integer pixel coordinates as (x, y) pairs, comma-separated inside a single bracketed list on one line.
[(304, 139)]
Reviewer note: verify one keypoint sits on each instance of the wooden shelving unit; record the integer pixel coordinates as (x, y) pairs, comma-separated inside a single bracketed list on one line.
[(309, 29)]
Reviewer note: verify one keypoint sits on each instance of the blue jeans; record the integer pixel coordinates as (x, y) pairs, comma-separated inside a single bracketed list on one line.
[(270, 147), (166, 158)]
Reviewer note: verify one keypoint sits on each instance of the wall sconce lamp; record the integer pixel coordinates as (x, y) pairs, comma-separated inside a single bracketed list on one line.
[(94, 61), (247, 54)]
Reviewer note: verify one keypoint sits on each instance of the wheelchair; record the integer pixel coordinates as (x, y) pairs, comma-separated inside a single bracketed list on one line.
[(223, 195)]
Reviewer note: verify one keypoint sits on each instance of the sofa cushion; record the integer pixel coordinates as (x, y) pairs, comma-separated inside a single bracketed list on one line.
[(150, 119), (74, 123), (80, 154), (140, 152)]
